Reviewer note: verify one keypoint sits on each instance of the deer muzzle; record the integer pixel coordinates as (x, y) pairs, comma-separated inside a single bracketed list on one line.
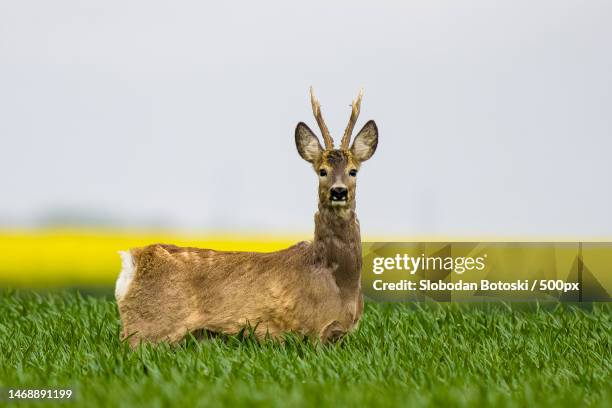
[(338, 195)]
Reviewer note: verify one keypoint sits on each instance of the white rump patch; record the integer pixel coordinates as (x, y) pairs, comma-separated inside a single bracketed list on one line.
[(126, 275)]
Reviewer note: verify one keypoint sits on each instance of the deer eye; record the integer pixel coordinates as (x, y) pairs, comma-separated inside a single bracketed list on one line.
[(353, 173), (322, 172)]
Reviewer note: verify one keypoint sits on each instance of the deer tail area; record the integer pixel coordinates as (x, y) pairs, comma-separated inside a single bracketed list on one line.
[(128, 269)]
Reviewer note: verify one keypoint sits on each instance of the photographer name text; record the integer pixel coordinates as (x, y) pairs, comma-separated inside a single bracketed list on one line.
[(524, 285)]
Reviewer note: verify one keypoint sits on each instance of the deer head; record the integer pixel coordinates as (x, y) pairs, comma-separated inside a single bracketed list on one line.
[(337, 168)]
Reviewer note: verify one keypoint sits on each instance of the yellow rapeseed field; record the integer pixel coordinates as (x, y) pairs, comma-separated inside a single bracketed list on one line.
[(78, 257)]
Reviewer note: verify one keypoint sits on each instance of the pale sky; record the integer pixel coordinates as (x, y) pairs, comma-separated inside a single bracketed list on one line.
[(495, 118)]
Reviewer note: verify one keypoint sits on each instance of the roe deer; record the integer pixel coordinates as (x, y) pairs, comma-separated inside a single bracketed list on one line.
[(312, 288)]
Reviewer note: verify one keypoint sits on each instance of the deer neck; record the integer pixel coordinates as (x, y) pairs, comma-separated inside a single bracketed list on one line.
[(337, 245)]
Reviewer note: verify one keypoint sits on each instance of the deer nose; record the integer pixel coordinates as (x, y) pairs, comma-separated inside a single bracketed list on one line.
[(339, 193)]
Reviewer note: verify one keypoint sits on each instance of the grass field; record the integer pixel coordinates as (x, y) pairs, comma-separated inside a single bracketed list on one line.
[(496, 355)]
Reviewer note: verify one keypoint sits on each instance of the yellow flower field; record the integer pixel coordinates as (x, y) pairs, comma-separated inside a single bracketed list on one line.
[(88, 257)]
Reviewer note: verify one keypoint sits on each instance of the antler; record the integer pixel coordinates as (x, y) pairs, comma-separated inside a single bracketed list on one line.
[(356, 106), (316, 111)]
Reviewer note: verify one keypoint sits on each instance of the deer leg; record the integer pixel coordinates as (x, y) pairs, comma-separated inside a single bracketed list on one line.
[(333, 332)]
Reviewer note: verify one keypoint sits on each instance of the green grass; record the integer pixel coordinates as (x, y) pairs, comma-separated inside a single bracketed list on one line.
[(418, 355)]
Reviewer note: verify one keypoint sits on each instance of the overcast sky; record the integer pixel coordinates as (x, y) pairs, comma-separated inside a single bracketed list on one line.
[(495, 117)]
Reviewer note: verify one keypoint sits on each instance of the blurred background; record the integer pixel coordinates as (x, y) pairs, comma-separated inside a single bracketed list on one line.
[(129, 122)]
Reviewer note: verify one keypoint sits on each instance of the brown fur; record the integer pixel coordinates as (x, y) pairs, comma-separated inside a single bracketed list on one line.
[(306, 289), (312, 288)]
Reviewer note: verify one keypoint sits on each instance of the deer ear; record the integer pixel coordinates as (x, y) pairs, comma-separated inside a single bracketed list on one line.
[(365, 142), (307, 144)]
